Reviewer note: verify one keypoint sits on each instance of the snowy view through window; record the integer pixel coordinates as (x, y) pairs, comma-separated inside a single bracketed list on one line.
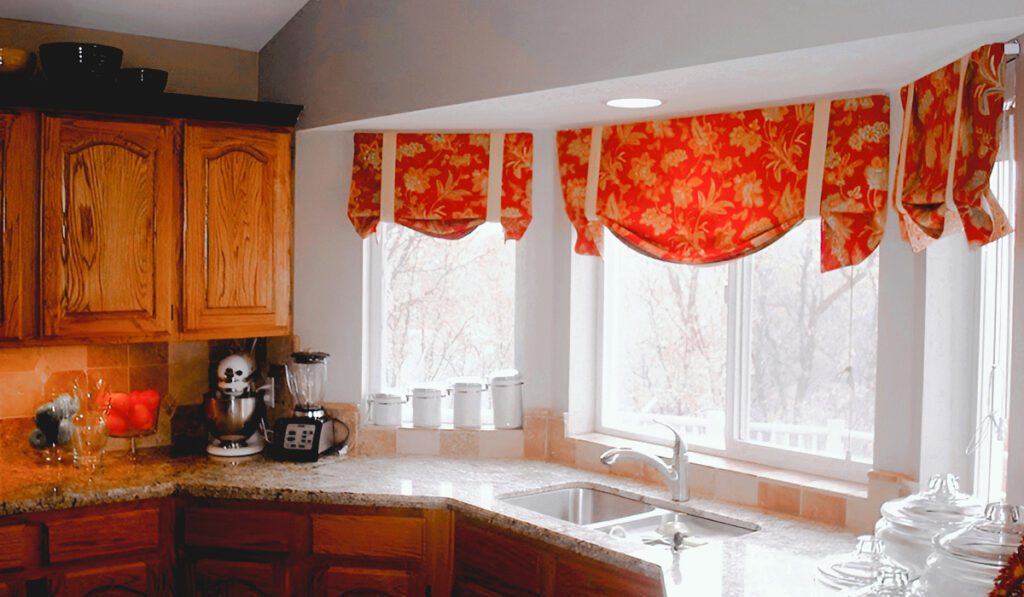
[(667, 342), (448, 306)]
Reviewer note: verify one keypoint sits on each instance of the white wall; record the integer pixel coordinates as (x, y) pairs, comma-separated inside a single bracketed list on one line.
[(328, 291), (348, 60), (542, 299)]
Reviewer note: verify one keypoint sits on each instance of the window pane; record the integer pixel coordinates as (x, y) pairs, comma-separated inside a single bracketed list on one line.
[(804, 395), (448, 306), (665, 346)]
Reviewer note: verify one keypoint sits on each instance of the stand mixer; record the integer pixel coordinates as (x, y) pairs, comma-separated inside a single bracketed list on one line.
[(310, 433), (235, 411)]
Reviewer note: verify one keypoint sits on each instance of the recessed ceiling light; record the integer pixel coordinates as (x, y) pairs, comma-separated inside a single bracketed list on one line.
[(634, 102)]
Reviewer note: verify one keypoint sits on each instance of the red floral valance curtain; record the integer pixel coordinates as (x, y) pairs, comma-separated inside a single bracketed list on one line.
[(443, 185), (711, 188), (948, 149)]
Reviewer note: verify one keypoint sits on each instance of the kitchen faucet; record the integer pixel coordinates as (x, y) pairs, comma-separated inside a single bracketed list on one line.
[(674, 470)]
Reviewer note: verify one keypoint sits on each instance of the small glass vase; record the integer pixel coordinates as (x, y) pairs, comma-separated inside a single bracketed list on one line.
[(90, 439)]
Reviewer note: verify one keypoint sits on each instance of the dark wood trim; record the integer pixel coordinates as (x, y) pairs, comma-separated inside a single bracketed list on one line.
[(168, 105)]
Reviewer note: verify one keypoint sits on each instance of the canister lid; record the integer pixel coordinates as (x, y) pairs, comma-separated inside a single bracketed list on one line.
[(854, 569), (468, 384), (941, 505), (506, 377), (990, 540), (385, 398), (429, 391)]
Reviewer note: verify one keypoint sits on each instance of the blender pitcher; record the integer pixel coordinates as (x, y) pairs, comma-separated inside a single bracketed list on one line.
[(307, 380)]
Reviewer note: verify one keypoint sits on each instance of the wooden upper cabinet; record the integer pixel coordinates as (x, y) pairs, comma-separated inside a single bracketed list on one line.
[(238, 232), (111, 226), (19, 224)]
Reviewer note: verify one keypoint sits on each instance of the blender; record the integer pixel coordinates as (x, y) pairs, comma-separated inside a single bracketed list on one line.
[(310, 432)]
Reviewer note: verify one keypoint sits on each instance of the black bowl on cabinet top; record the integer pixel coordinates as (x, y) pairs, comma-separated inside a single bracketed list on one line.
[(142, 80), (73, 62)]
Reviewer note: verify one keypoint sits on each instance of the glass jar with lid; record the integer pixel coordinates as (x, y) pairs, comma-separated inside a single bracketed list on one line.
[(909, 524), (966, 561), (852, 570)]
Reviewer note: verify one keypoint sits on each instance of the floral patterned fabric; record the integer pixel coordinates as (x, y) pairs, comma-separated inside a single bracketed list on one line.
[(927, 145), (364, 190), (573, 161), (855, 184), (700, 189), (441, 183), (983, 219)]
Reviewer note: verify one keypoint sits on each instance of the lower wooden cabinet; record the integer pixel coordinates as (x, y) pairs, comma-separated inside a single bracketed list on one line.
[(221, 548), (489, 562)]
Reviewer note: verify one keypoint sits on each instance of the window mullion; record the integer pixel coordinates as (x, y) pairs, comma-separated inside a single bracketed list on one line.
[(739, 350)]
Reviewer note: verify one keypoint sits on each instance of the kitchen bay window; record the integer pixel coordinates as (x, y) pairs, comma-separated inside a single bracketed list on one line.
[(764, 358)]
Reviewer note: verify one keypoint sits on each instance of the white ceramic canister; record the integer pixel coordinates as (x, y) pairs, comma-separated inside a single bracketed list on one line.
[(507, 396), (467, 393), (426, 406), (386, 409)]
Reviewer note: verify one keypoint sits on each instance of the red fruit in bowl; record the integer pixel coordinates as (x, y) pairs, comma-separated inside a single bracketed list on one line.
[(121, 404), (141, 418), (150, 398), (116, 424)]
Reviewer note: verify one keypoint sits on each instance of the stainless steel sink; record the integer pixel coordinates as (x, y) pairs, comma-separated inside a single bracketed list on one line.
[(580, 505), (631, 519)]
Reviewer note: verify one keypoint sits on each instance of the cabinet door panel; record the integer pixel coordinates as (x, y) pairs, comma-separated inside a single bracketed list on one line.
[(110, 198), (225, 578), (238, 235), (121, 580), (19, 215), (341, 581)]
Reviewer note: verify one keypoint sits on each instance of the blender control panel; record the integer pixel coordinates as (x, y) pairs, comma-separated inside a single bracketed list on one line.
[(300, 436)]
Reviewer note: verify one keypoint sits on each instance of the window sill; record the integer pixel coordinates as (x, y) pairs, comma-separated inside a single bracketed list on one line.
[(843, 489)]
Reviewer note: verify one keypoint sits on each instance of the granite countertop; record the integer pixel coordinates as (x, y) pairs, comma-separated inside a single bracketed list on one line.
[(777, 560)]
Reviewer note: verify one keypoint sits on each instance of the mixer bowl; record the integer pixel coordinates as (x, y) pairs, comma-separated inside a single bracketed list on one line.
[(233, 419)]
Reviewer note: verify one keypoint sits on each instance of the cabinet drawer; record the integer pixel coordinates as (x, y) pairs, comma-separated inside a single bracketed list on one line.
[(100, 535), (6, 590), (252, 530), (368, 536), (19, 546)]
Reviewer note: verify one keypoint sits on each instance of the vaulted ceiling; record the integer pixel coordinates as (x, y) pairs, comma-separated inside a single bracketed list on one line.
[(242, 24)]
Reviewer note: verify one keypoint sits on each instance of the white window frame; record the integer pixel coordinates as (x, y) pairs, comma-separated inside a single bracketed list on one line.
[(736, 389), (995, 342)]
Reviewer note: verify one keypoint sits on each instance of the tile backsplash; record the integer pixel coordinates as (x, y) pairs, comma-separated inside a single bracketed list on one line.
[(31, 375)]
